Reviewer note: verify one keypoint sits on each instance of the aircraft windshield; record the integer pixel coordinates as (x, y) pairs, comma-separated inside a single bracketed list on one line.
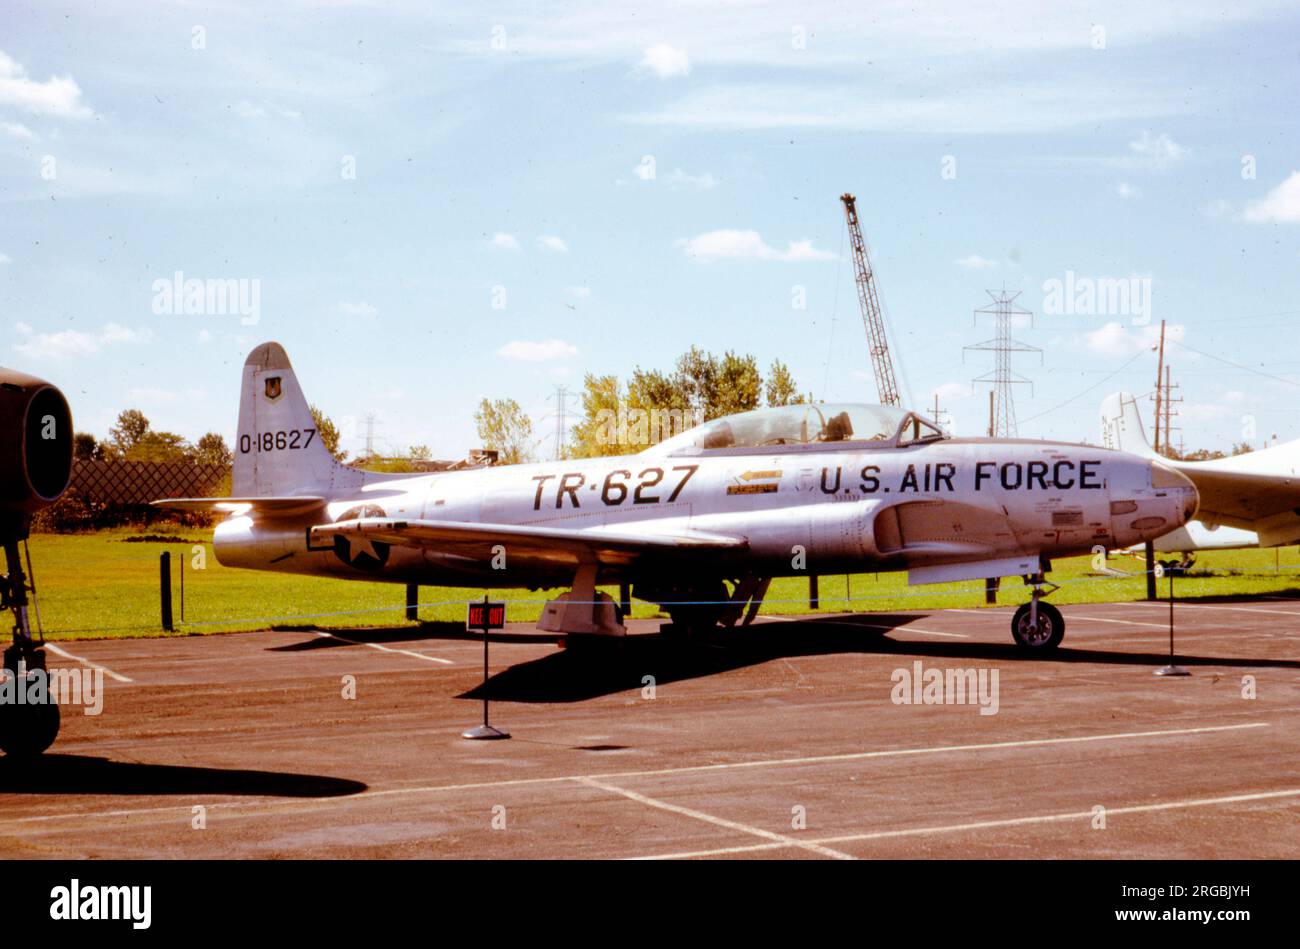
[(809, 424)]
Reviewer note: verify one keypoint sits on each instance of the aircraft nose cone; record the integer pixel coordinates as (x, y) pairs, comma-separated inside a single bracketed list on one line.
[(1177, 485)]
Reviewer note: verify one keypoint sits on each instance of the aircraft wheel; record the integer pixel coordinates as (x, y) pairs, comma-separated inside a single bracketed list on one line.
[(1048, 635), (696, 619), (27, 730)]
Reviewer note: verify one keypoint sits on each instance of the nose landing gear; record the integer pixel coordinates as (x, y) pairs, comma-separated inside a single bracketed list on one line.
[(29, 715), (1038, 626)]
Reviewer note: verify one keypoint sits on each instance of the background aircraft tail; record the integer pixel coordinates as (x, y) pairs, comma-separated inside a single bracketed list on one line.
[(278, 451), (1121, 425)]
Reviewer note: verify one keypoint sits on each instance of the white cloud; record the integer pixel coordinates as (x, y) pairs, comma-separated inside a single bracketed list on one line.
[(747, 245), (205, 336), (5, 259), (1279, 206), (976, 262), (66, 344), (18, 131), (117, 333), (359, 310), (968, 105), (552, 243), (503, 241), (580, 292), (1127, 191), (544, 350), (1115, 339), (665, 61), (1156, 152), (704, 182), (57, 96), (645, 170)]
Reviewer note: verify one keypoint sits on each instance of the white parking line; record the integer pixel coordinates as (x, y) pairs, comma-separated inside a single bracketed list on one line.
[(672, 772), (988, 824), (780, 840), (1180, 604), (383, 648), (117, 677), (1125, 622)]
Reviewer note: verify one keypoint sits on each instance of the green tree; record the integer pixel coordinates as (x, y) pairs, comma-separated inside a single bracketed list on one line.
[(86, 448), (738, 386), (130, 428), (597, 434), (329, 434), (160, 446), (505, 427), (212, 449), (781, 387), (697, 377)]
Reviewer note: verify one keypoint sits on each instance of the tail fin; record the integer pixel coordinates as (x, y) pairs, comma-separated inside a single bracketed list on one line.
[(1121, 425), (278, 451)]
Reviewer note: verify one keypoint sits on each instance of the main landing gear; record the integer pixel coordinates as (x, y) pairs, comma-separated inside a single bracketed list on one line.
[(1038, 626), (29, 714)]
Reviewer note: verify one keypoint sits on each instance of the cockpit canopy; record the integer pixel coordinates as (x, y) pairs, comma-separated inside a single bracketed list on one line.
[(805, 426)]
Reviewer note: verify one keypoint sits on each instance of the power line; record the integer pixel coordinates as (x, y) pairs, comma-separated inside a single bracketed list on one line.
[(1080, 395), (1236, 365)]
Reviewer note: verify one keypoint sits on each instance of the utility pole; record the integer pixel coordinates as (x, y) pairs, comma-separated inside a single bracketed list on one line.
[(881, 362), (1170, 412), (1149, 548), (1003, 310), (370, 437), (1160, 373), (939, 414), (561, 423)]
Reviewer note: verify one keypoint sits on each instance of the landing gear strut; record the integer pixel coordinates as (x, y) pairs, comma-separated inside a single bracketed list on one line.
[(29, 716), (1038, 626)]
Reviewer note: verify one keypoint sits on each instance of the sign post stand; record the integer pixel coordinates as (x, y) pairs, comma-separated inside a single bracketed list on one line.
[(1171, 669), (485, 617)]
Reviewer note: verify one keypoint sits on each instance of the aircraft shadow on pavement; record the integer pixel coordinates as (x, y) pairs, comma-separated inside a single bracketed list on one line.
[(384, 635), (77, 774), (575, 676)]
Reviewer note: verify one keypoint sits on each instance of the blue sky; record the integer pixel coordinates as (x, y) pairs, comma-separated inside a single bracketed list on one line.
[(506, 156)]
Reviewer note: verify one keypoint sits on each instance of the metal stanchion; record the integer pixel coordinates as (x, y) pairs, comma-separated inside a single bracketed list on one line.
[(1171, 669), (165, 589), (485, 617)]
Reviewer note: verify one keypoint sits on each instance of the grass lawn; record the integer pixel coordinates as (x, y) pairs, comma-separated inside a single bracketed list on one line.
[(102, 585)]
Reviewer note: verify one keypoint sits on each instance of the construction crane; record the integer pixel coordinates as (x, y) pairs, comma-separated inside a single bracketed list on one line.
[(881, 362)]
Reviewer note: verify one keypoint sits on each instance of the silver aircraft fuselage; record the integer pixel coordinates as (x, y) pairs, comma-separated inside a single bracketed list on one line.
[(802, 509)]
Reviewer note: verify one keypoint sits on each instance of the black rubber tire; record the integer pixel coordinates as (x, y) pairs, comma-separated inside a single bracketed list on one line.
[(1047, 638), (27, 730)]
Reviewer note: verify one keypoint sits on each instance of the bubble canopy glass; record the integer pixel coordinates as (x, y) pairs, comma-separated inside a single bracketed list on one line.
[(807, 426)]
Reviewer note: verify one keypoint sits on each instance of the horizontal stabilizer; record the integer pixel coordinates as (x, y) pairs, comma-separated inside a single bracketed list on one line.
[(286, 505)]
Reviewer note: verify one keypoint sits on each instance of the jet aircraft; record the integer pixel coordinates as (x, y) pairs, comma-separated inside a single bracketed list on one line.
[(699, 523)]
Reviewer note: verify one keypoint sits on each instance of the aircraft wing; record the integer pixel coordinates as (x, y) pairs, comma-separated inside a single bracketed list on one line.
[(1259, 491), (282, 506), (529, 543), (1240, 498)]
